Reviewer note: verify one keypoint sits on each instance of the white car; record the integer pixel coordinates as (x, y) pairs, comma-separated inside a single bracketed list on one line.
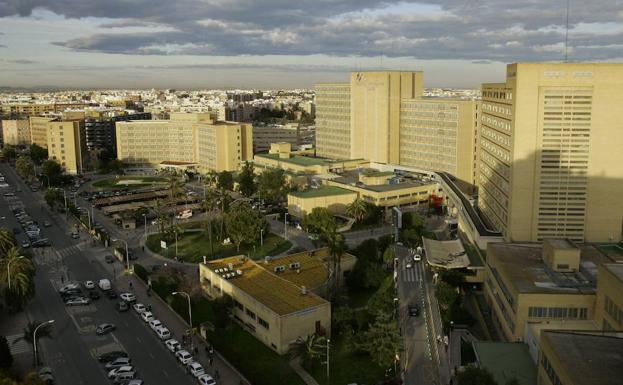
[(68, 287), (89, 285), (118, 362), (147, 316), (183, 357), (417, 257), (155, 324), (206, 379), (122, 369), (79, 301), (173, 345), (139, 308), (195, 369), (128, 297), (163, 333)]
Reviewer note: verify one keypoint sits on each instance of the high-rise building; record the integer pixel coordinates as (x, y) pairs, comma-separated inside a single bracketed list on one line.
[(549, 161), (39, 130), (189, 138), (67, 145), (100, 130), (333, 120), (16, 132)]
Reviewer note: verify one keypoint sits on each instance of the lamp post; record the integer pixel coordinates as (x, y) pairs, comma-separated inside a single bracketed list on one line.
[(34, 339), (328, 356), (64, 200), (190, 315), (285, 226), (262, 239), (127, 254), (145, 217), (8, 270)]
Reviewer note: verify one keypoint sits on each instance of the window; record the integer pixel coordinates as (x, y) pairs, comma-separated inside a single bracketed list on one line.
[(238, 305), (263, 323), (250, 314)]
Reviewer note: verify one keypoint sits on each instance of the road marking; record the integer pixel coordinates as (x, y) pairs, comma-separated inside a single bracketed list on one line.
[(152, 356), (17, 345), (138, 339), (165, 373)]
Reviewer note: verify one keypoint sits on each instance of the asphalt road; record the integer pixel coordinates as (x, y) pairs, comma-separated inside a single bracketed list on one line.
[(71, 350)]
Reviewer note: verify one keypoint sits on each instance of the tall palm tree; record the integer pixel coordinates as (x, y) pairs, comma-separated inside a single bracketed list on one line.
[(22, 272), (175, 186), (337, 247), (308, 349), (209, 205), (357, 209), (211, 178), (7, 241)]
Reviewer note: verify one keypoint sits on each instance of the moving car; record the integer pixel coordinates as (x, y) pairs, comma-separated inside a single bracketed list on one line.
[(173, 345), (104, 329), (46, 224), (183, 357), (195, 369), (414, 310), (75, 235), (128, 297), (111, 356), (417, 257)]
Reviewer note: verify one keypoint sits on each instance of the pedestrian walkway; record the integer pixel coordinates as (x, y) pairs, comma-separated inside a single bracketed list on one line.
[(17, 345), (306, 377), (218, 367), (413, 274)]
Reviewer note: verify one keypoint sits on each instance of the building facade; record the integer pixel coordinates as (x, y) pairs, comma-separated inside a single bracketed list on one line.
[(264, 136), (549, 152), (333, 132), (67, 145), (609, 304), (100, 130), (39, 130), (16, 132)]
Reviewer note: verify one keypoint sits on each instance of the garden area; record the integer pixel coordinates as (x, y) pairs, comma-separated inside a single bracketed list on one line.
[(130, 182)]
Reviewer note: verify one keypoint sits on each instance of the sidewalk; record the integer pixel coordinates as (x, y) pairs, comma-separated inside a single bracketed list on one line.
[(227, 374)]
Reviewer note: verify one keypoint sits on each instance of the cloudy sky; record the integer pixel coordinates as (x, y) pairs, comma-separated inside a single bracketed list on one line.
[(291, 43)]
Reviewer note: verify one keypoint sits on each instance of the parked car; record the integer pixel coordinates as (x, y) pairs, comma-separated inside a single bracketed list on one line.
[(147, 316), (139, 308), (111, 294), (77, 301), (119, 362), (69, 287), (75, 235), (122, 306), (183, 357), (195, 369), (46, 224), (206, 379), (128, 297), (117, 371), (111, 356), (173, 345), (104, 284), (104, 329), (154, 324), (163, 333), (121, 378), (25, 244), (89, 285)]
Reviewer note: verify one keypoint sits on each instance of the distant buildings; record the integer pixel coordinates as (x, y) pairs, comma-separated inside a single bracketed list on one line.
[(16, 132)]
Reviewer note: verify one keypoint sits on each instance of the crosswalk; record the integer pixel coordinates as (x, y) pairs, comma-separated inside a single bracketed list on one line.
[(70, 250), (17, 345), (413, 274)]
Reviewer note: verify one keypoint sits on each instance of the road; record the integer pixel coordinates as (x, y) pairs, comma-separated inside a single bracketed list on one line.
[(70, 353)]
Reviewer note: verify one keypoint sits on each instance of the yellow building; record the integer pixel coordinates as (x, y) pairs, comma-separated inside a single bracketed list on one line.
[(39, 130), (67, 145), (16, 132), (529, 283), (190, 138), (334, 199), (266, 301), (580, 358), (27, 108), (550, 152), (333, 134), (609, 304)]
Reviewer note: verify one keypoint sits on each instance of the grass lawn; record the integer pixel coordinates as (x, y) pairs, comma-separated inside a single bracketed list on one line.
[(192, 246), (129, 182), (347, 367)]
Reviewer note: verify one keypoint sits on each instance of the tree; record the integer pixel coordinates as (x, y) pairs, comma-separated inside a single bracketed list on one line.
[(382, 340), (446, 295), (24, 166), (38, 153), (210, 203), (225, 180), (452, 277), (7, 241), (358, 209), (53, 171), (22, 272), (320, 220), (309, 349), (411, 237), (244, 224), (8, 152), (222, 308), (246, 180), (175, 187), (53, 197), (383, 299), (271, 183), (6, 358), (475, 376), (337, 248)]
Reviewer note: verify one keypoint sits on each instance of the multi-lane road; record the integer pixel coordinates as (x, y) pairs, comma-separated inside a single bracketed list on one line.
[(74, 345)]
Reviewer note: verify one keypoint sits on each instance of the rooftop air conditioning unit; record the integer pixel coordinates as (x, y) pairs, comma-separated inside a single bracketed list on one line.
[(280, 269), (295, 265), (239, 272)]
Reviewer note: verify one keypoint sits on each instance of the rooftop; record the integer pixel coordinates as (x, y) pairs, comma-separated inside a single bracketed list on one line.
[(297, 160), (399, 183), (321, 191), (616, 269), (523, 267), (589, 358), (507, 360), (445, 254), (270, 289)]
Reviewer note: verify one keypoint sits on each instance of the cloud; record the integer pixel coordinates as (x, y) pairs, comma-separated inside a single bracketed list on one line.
[(17, 61), (3, 46)]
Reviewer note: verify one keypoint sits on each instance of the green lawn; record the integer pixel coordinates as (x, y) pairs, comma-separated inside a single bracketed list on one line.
[(192, 246), (134, 182)]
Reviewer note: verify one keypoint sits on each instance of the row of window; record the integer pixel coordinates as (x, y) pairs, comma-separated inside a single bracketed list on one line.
[(551, 373), (558, 312), (613, 310), (252, 315)]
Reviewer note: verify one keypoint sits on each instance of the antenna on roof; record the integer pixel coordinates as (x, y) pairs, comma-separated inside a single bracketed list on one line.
[(567, 34)]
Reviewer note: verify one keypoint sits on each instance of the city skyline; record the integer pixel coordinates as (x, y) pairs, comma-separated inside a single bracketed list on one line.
[(275, 44)]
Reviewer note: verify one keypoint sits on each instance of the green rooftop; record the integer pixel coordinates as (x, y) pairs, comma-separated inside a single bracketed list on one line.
[(322, 191), (507, 360), (297, 160), (374, 174)]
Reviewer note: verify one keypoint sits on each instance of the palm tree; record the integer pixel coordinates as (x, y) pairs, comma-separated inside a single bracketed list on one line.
[(209, 204), (308, 349), (211, 178), (29, 332), (357, 209), (7, 241), (22, 272), (337, 247), (175, 187)]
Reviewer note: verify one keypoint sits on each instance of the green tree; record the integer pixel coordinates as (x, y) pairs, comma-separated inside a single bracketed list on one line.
[(411, 237), (53, 171), (22, 272), (244, 224), (337, 248), (475, 376), (358, 209), (24, 166), (6, 358), (38, 153), (53, 197), (210, 203), (320, 220), (8, 152), (225, 180), (272, 185), (446, 295), (383, 299), (382, 340), (175, 187), (222, 308), (246, 180), (7, 241), (309, 349), (211, 178), (116, 166), (452, 277), (389, 256)]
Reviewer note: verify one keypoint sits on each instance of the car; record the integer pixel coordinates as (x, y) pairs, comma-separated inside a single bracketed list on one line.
[(195, 369), (111, 356), (147, 316), (206, 379), (163, 333), (111, 294), (41, 243), (135, 381), (414, 310), (75, 235), (119, 362), (77, 301), (47, 224), (94, 295), (183, 357), (109, 259), (46, 376), (173, 345), (9, 194), (69, 287), (121, 378), (89, 285), (128, 297), (25, 244), (121, 369), (139, 308), (122, 306), (104, 329), (417, 258), (154, 324)]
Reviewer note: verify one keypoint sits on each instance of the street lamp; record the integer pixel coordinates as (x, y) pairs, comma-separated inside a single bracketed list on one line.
[(127, 253), (285, 226), (34, 339), (64, 199), (328, 355), (145, 217), (190, 315), (8, 270)]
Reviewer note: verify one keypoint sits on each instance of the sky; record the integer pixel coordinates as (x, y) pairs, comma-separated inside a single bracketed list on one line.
[(192, 44)]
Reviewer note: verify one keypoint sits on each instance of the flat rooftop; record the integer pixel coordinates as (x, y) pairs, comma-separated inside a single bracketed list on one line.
[(589, 358), (523, 266), (271, 289), (616, 269), (446, 254), (507, 360), (322, 191), (297, 160), (402, 182)]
